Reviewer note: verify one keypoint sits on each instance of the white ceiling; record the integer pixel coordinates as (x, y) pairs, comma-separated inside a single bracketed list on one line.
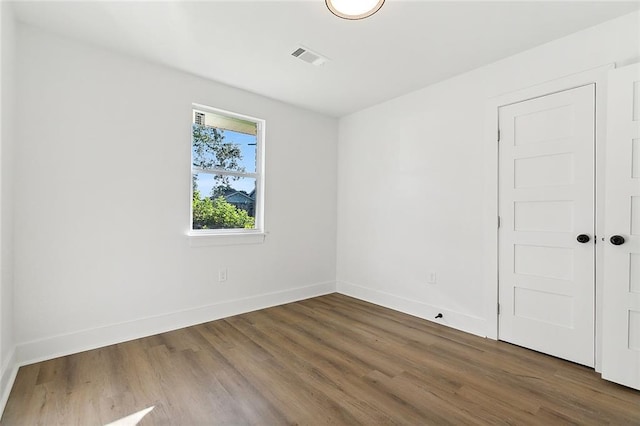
[(247, 44)]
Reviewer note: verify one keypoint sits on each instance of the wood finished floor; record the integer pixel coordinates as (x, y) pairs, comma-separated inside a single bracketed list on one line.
[(327, 360)]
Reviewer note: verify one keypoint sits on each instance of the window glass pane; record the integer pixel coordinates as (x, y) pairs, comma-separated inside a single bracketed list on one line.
[(247, 145), (223, 201), (223, 149)]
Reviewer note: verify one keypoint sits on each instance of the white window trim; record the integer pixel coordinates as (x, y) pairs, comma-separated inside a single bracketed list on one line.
[(205, 237), (206, 240)]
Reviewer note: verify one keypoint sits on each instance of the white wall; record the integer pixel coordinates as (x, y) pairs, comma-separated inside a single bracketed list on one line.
[(102, 185), (7, 97), (411, 180)]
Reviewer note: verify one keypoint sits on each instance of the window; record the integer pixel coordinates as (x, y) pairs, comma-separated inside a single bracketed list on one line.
[(226, 173)]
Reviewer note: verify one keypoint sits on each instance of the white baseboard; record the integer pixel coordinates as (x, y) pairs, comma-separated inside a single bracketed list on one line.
[(464, 322), (8, 373), (66, 344)]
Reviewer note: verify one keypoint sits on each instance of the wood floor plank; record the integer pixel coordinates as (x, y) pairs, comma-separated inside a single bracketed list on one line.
[(333, 373), (327, 360)]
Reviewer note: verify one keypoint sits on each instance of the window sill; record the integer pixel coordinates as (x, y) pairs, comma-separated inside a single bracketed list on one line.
[(225, 239)]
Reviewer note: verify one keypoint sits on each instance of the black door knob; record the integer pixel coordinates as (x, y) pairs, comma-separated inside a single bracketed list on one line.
[(583, 238), (617, 240)]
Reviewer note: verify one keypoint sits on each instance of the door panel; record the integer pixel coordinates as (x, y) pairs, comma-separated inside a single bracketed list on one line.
[(634, 272), (558, 170), (621, 296), (635, 215), (546, 198), (543, 216), (635, 158)]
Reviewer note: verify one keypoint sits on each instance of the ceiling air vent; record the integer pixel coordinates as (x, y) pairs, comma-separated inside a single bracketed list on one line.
[(308, 56)]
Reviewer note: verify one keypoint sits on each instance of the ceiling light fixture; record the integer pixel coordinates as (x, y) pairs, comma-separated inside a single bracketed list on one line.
[(354, 9)]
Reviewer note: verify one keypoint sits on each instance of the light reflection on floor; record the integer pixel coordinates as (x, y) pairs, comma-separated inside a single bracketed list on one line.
[(132, 419)]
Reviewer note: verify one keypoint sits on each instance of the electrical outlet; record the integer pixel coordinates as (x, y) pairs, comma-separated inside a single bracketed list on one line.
[(222, 275), (432, 278)]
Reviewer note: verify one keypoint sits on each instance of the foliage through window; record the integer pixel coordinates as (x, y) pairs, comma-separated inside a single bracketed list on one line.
[(226, 172)]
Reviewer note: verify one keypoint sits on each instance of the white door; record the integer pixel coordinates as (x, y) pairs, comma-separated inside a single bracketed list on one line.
[(621, 293), (546, 200)]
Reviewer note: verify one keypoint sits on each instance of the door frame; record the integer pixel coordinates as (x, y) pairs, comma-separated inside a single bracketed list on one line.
[(597, 76)]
